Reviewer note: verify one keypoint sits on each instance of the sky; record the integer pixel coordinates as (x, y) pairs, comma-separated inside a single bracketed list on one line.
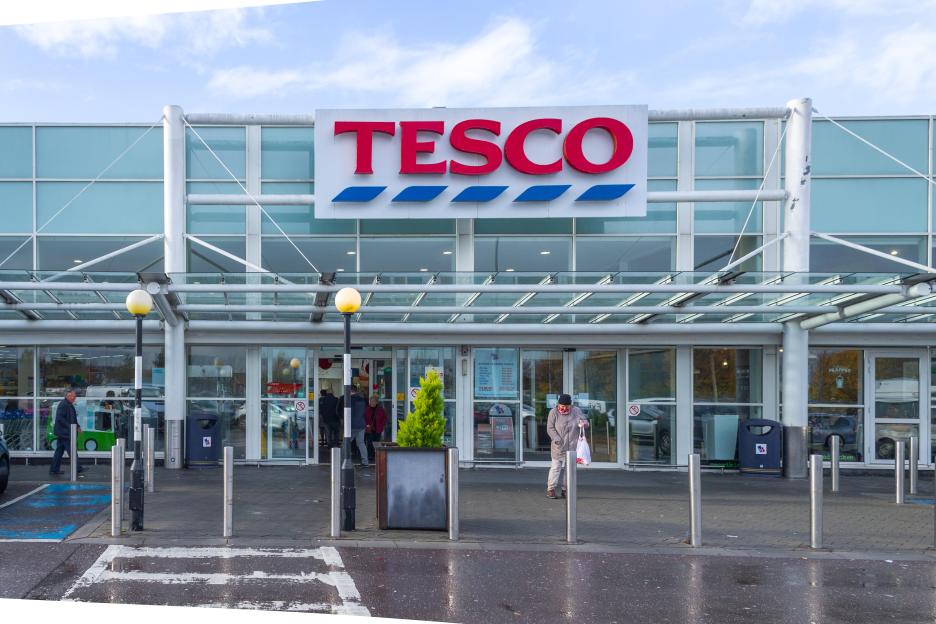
[(853, 57)]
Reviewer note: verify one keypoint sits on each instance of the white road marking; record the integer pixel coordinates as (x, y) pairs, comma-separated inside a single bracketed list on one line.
[(19, 498), (336, 576)]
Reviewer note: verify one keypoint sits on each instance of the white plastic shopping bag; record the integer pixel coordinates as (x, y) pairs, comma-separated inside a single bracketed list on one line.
[(582, 452)]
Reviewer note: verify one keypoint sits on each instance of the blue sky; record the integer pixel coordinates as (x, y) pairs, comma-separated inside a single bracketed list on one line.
[(852, 57)]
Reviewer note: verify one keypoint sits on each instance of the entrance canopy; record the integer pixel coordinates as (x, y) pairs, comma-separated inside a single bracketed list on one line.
[(466, 299)]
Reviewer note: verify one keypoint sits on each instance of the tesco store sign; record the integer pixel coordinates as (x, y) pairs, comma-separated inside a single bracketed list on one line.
[(580, 161)]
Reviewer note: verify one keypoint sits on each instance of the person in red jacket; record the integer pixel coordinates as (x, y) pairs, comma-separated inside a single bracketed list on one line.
[(375, 419)]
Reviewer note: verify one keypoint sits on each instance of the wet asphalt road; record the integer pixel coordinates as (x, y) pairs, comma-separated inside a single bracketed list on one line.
[(481, 585)]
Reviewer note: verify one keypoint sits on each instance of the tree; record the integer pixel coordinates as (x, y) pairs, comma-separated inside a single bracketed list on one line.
[(425, 427)]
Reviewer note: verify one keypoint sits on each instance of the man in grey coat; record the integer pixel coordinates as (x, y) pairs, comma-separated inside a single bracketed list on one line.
[(563, 426)]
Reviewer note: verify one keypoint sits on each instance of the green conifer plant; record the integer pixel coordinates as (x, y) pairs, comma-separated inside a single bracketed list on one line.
[(425, 426)]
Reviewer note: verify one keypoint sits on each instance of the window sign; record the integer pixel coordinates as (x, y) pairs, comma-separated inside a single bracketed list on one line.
[(495, 376)]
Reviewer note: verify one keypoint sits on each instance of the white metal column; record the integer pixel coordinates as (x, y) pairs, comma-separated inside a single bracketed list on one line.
[(174, 259), (685, 146), (253, 405), (771, 211), (770, 378), (464, 413), (684, 421)]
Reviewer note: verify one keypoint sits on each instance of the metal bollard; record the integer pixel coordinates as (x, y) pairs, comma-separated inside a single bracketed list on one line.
[(815, 501), (73, 452), (914, 460), (122, 469), (150, 459), (452, 456), (695, 499), (228, 491), (836, 452), (571, 493), (335, 530), (116, 491), (899, 450)]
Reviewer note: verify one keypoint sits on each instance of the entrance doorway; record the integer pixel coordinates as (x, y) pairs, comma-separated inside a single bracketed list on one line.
[(897, 389)]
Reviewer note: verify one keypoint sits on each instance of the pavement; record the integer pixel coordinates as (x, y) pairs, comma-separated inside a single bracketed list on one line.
[(511, 564)]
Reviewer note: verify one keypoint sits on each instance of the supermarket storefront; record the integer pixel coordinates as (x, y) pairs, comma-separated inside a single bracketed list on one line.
[(674, 288)]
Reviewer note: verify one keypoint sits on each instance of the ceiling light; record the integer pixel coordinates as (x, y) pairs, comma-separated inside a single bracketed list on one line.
[(351, 253), (724, 363), (77, 261), (545, 252), (509, 270), (424, 269), (339, 270), (894, 252), (447, 252)]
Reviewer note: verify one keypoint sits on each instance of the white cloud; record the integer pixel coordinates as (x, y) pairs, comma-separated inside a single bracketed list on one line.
[(761, 12), (196, 33), (500, 66)]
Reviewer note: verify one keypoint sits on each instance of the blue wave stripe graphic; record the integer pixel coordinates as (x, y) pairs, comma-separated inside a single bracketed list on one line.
[(543, 192), (479, 194), (604, 192), (419, 193), (359, 193)]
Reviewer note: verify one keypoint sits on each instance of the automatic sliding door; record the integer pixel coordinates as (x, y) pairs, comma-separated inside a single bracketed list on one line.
[(896, 406), (496, 405), (594, 383), (542, 385)]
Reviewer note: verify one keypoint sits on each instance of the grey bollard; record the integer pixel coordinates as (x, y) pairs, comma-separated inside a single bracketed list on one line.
[(122, 471), (815, 501), (571, 495), (73, 452), (452, 456), (150, 464), (335, 528), (228, 491), (834, 461), (914, 460), (695, 499), (116, 491), (899, 461)]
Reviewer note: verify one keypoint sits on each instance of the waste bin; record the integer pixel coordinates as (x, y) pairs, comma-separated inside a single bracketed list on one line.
[(760, 446), (202, 440)]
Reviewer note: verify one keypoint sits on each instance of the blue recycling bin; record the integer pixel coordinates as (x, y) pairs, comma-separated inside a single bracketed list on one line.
[(202, 440), (760, 446)]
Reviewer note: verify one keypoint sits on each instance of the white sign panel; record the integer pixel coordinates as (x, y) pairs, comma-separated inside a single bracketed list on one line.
[(581, 161)]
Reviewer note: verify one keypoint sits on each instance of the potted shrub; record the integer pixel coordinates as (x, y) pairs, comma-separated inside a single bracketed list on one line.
[(412, 475)]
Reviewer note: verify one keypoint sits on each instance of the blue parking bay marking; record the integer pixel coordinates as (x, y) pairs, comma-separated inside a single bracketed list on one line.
[(53, 513)]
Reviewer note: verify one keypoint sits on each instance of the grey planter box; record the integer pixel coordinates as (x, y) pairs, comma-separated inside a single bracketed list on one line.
[(412, 488)]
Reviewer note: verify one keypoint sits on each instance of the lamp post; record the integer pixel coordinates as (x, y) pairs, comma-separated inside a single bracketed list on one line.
[(348, 301), (139, 304)]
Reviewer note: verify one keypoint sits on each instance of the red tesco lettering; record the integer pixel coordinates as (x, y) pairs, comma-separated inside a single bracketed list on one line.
[(416, 138)]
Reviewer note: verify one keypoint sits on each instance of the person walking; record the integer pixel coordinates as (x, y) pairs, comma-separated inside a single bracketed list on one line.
[(563, 426), (65, 417), (375, 421), (357, 422), (328, 412)]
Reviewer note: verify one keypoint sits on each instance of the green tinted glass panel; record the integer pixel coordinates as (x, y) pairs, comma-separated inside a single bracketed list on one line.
[(660, 218), (229, 144), (204, 260), (869, 205), (729, 148), (105, 207), (57, 253), (299, 219), (16, 252), (835, 152), (228, 219), (327, 254), (661, 152), (15, 206), (526, 253), (85, 152), (407, 254), (523, 226), (632, 253), (286, 153), (728, 217), (712, 253), (16, 152), (408, 226), (826, 256)]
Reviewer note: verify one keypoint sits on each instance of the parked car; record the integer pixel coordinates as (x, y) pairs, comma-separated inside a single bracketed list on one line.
[(823, 427), (652, 425), (4, 465)]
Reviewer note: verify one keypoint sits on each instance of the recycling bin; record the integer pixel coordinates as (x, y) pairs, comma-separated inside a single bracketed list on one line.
[(202, 440), (760, 446)]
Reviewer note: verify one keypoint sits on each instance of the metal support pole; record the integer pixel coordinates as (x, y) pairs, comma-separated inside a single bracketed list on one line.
[(695, 499), (836, 452), (899, 466), (914, 459), (122, 476), (452, 456), (571, 494), (73, 452), (335, 529), (116, 490), (150, 459), (815, 501), (348, 492), (228, 491), (136, 469)]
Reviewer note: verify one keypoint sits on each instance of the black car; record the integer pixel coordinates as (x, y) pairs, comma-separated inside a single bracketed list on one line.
[(4, 465)]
